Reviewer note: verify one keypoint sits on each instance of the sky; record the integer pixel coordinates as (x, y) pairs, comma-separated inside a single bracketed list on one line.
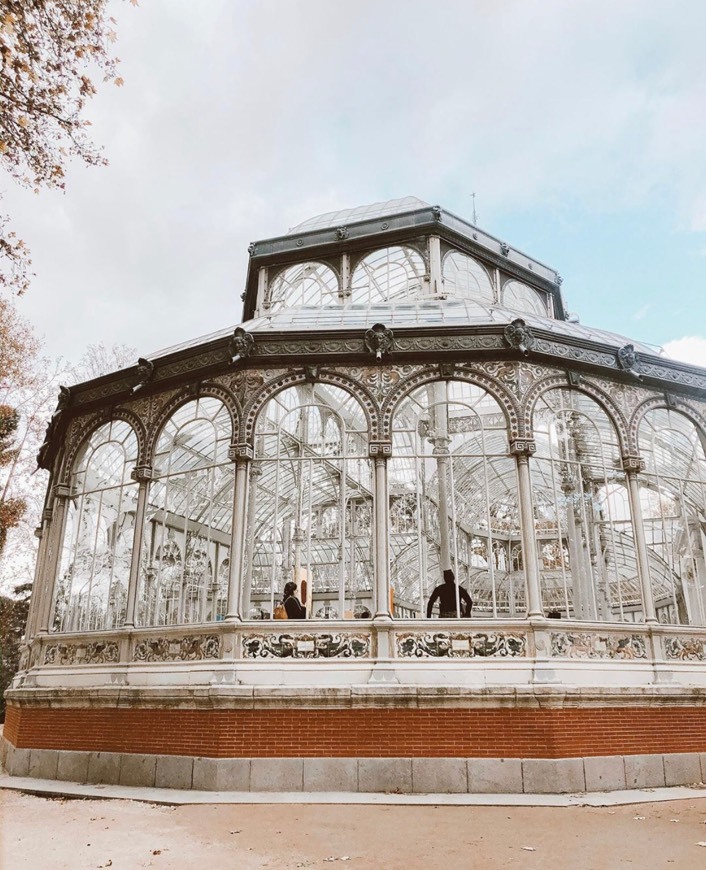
[(580, 126)]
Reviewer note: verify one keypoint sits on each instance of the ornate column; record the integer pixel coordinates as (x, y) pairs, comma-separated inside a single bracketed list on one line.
[(380, 452), (62, 492), (522, 449), (143, 475), (241, 454), (42, 533), (255, 474), (632, 466)]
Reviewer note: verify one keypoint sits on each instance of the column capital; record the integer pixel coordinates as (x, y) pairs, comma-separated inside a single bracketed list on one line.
[(522, 447), (632, 462), (240, 452), (142, 473), (62, 490), (380, 449)]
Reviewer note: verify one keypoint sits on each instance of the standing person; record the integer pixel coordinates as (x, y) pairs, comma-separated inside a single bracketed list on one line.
[(446, 594), (295, 609)]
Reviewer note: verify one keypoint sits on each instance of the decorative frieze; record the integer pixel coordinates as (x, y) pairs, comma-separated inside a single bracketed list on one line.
[(172, 649), (98, 652), (323, 645), (588, 645), (685, 649), (460, 645)]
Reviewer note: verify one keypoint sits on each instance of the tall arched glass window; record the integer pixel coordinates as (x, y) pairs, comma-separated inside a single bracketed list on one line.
[(310, 505), (453, 501), (389, 274), (466, 278), (188, 519), (587, 560), (303, 284), (95, 559), (673, 500)]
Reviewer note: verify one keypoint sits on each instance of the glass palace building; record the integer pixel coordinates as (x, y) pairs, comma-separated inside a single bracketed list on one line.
[(407, 395)]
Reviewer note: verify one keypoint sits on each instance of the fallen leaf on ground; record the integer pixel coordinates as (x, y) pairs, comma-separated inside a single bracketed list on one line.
[(529, 848)]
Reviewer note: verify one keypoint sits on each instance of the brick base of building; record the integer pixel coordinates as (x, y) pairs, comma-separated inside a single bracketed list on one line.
[(434, 749), (383, 732)]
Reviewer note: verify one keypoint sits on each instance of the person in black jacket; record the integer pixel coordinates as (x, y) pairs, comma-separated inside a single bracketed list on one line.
[(446, 595), (295, 609)]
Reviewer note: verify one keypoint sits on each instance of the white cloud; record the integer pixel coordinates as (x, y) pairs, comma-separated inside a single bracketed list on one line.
[(690, 349), (241, 119)]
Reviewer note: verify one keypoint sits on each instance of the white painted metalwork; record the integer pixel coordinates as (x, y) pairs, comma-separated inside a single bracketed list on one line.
[(673, 501)]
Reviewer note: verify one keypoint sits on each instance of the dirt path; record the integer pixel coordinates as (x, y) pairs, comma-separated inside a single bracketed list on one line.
[(48, 834)]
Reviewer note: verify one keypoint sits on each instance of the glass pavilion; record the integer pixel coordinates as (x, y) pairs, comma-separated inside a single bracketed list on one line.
[(406, 395)]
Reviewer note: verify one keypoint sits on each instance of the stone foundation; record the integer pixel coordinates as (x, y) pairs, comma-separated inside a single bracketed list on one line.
[(398, 775)]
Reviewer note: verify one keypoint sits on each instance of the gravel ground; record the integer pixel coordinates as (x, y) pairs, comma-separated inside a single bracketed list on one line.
[(48, 833)]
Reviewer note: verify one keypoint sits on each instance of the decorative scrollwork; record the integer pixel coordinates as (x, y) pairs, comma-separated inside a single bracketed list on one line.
[(585, 645), (93, 653), (170, 649), (445, 644), (306, 646), (685, 649)]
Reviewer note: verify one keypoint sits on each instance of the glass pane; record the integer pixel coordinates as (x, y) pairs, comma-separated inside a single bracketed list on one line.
[(309, 284), (310, 505), (520, 297), (453, 503), (466, 278), (188, 520), (673, 500), (94, 566), (584, 533), (391, 273)]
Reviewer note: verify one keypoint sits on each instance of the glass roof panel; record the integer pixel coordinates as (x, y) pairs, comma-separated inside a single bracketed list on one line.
[(361, 213), (419, 313)]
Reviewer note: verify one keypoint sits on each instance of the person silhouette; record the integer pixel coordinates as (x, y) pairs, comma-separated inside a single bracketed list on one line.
[(446, 594)]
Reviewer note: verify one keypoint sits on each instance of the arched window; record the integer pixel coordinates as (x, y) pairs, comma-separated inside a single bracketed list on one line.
[(519, 297), (188, 518), (310, 504), (453, 501), (304, 284), (389, 274), (466, 278), (673, 500), (95, 560), (584, 533)]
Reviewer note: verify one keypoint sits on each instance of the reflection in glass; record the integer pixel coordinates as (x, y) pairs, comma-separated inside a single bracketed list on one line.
[(187, 531), (95, 559), (453, 501), (673, 496), (584, 533), (310, 504)]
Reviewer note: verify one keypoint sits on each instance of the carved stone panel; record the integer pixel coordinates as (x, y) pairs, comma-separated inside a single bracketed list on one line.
[(587, 645), (99, 652), (685, 649), (460, 645), (324, 645), (172, 649)]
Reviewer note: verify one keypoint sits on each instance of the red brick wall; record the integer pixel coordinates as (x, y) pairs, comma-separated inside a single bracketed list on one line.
[(558, 733)]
